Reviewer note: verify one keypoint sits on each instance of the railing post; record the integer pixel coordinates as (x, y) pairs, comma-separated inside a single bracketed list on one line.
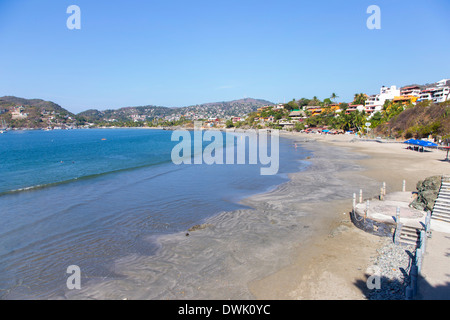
[(414, 275), (419, 260), (423, 240), (404, 186), (367, 209), (354, 203), (360, 196)]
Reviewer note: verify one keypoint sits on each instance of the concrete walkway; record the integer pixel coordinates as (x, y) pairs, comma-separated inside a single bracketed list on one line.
[(434, 283)]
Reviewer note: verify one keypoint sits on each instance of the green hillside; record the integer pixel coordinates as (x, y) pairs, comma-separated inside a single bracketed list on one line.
[(419, 121)]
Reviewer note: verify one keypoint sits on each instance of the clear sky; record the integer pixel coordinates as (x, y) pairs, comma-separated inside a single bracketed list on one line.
[(180, 53)]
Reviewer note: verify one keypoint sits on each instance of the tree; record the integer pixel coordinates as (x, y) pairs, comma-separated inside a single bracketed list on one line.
[(334, 97), (314, 102), (303, 102), (299, 126), (360, 98), (291, 105), (327, 102)]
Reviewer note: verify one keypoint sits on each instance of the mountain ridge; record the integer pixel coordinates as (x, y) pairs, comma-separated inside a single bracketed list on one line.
[(36, 108)]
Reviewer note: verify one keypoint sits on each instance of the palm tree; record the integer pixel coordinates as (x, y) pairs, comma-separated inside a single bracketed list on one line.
[(360, 98), (334, 97)]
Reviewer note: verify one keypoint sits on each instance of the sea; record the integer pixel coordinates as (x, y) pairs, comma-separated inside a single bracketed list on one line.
[(88, 197)]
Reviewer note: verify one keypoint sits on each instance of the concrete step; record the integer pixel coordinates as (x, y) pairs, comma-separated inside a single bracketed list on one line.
[(441, 218), (410, 232), (441, 206), (444, 196), (441, 213), (441, 210), (409, 241), (409, 235)]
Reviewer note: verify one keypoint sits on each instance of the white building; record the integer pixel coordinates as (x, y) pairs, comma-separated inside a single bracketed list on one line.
[(411, 91), (18, 114), (443, 82), (441, 94), (437, 94), (375, 103)]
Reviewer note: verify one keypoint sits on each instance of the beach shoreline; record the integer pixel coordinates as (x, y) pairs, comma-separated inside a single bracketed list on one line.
[(336, 267), (295, 242), (222, 260)]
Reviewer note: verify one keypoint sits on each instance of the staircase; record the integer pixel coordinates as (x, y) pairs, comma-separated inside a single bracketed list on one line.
[(441, 210), (407, 235)]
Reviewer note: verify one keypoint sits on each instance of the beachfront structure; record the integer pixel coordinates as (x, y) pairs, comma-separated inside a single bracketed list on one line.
[(332, 107), (437, 94), (441, 94), (354, 107), (410, 91), (315, 110), (263, 108), (443, 82), (278, 107), (18, 114), (375, 103), (405, 99), (297, 115)]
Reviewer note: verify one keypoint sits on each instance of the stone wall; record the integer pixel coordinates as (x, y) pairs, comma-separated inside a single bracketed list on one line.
[(381, 229)]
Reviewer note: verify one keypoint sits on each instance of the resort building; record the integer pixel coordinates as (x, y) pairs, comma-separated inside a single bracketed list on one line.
[(263, 108), (297, 115), (375, 102), (443, 82), (411, 91), (437, 94), (354, 107), (426, 94), (441, 94), (278, 107), (406, 99), (315, 110), (18, 114)]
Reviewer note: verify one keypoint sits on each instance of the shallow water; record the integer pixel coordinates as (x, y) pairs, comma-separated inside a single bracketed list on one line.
[(90, 197)]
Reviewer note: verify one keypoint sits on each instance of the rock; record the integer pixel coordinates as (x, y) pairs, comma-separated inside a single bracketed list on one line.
[(199, 227), (428, 191)]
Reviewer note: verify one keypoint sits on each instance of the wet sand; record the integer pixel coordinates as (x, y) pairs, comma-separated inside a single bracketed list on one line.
[(295, 242), (335, 266)]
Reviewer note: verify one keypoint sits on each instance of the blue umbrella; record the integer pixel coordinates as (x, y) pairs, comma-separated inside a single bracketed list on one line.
[(427, 144), (413, 142), (420, 143)]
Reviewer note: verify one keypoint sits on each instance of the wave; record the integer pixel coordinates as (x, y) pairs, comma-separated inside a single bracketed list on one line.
[(81, 178)]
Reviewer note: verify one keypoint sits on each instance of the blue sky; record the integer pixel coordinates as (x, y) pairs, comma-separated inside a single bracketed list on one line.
[(180, 53)]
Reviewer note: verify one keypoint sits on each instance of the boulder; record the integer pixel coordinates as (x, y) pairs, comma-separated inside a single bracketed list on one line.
[(427, 193)]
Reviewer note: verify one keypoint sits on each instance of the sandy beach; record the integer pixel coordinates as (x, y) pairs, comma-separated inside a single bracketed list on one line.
[(337, 262), (295, 242)]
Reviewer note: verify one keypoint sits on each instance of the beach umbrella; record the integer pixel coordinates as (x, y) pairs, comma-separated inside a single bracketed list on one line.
[(413, 142), (427, 143)]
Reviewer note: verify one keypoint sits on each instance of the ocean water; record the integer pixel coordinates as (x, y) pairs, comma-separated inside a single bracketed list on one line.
[(89, 197)]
